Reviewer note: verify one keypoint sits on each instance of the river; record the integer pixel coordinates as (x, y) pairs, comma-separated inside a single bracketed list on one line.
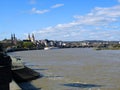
[(73, 69)]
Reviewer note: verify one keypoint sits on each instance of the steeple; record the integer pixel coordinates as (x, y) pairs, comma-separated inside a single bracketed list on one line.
[(33, 38), (29, 38), (13, 39)]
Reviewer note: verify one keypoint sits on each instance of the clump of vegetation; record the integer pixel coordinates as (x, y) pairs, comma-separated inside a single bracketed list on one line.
[(109, 47), (115, 47)]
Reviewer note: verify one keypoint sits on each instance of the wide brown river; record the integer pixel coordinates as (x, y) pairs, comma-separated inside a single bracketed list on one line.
[(72, 69)]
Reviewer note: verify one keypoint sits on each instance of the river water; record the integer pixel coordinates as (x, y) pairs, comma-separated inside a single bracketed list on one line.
[(72, 69)]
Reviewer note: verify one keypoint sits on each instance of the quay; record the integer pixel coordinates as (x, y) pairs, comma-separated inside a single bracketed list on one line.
[(22, 75), (14, 86), (12, 71), (25, 74)]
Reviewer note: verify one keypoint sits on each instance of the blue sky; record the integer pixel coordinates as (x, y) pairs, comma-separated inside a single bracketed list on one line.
[(65, 20)]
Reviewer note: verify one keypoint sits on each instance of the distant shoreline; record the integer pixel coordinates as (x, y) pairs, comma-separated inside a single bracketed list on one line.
[(107, 48), (21, 49)]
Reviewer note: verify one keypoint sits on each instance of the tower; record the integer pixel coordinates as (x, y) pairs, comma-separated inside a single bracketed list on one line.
[(13, 39), (29, 38), (33, 38)]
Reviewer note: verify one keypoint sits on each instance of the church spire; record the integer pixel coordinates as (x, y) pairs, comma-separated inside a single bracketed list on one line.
[(33, 38), (29, 38)]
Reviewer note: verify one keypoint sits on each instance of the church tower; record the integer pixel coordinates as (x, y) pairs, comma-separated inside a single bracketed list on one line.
[(33, 38), (13, 39), (29, 38)]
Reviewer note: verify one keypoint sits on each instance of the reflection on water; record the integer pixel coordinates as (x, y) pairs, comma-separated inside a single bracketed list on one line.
[(74, 69)]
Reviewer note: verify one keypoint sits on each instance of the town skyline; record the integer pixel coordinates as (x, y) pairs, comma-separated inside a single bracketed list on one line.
[(61, 20), (32, 38)]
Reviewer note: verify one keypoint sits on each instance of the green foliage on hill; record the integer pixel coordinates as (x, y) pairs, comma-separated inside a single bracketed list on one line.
[(28, 45)]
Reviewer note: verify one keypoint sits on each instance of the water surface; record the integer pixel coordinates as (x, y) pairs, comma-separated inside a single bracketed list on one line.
[(73, 69)]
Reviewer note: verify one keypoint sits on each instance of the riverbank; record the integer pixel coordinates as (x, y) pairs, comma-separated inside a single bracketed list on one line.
[(14, 86), (21, 76), (106, 48), (18, 49), (21, 73)]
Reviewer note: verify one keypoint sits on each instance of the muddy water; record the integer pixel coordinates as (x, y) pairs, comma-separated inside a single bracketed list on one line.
[(73, 69)]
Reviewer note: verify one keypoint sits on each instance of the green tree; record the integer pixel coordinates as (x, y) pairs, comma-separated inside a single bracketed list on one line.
[(28, 45), (20, 44)]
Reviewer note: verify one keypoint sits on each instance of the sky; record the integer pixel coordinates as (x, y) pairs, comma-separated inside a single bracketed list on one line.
[(66, 20)]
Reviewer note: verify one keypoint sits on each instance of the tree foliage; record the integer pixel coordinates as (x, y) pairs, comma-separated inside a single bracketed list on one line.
[(28, 45)]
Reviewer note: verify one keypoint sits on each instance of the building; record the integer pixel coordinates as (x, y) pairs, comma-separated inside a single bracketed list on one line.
[(31, 38), (13, 39)]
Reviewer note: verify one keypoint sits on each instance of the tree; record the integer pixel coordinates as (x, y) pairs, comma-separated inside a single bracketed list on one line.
[(28, 45), (20, 44)]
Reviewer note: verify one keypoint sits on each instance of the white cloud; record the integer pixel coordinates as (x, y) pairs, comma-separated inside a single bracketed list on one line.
[(118, 0), (57, 5), (35, 11), (98, 24), (100, 16)]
